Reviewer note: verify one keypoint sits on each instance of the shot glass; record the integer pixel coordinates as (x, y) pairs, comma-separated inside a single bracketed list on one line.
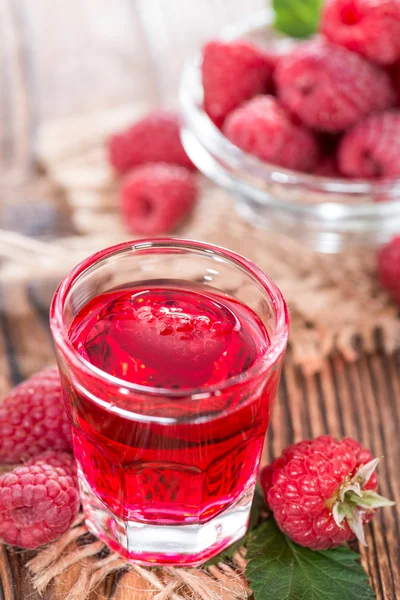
[(166, 471)]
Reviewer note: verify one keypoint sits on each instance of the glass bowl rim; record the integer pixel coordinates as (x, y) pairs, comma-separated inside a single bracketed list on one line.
[(265, 362), (213, 140)]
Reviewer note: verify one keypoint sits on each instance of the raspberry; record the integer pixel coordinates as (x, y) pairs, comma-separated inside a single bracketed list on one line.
[(322, 491), (38, 503), (262, 127), (389, 267), (327, 167), (33, 418), (369, 27), (330, 88), (155, 198), (55, 459), (160, 332), (232, 73), (155, 138), (372, 147)]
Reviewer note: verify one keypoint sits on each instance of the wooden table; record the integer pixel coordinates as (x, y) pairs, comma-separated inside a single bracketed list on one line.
[(59, 59)]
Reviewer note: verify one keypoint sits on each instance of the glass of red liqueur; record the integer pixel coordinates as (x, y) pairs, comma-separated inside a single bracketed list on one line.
[(170, 354)]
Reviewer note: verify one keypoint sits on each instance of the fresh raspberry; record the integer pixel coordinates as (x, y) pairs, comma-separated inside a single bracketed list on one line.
[(369, 27), (33, 418), (232, 73), (389, 267), (262, 127), (372, 147), (154, 138), (155, 198), (322, 491), (38, 503), (55, 459), (330, 88)]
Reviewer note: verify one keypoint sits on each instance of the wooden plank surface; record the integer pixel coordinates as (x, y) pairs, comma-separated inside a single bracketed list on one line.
[(65, 58)]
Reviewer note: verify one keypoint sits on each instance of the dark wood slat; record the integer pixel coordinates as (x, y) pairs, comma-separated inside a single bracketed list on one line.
[(7, 587), (298, 406)]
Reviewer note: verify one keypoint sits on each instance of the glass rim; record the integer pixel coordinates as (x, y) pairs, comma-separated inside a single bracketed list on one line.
[(60, 331), (242, 163)]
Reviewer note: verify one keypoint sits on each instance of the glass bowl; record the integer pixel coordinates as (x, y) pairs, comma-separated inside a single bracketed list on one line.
[(329, 215)]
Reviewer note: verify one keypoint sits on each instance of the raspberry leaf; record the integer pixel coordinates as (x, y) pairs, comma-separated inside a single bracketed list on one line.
[(278, 569), (297, 18)]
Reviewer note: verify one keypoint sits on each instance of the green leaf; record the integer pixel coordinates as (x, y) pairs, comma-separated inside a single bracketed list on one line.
[(297, 18), (278, 569)]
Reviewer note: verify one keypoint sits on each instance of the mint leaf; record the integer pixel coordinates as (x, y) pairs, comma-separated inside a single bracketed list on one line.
[(278, 569), (297, 18)]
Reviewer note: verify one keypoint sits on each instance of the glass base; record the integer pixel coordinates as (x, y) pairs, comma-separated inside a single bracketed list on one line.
[(151, 544)]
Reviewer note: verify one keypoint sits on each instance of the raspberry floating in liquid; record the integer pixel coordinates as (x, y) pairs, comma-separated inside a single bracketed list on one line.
[(168, 338)]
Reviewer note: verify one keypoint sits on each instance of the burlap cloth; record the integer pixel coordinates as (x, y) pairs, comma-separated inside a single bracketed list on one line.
[(336, 306)]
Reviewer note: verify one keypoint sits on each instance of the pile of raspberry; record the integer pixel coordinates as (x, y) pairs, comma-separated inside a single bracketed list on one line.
[(330, 106), (39, 497)]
